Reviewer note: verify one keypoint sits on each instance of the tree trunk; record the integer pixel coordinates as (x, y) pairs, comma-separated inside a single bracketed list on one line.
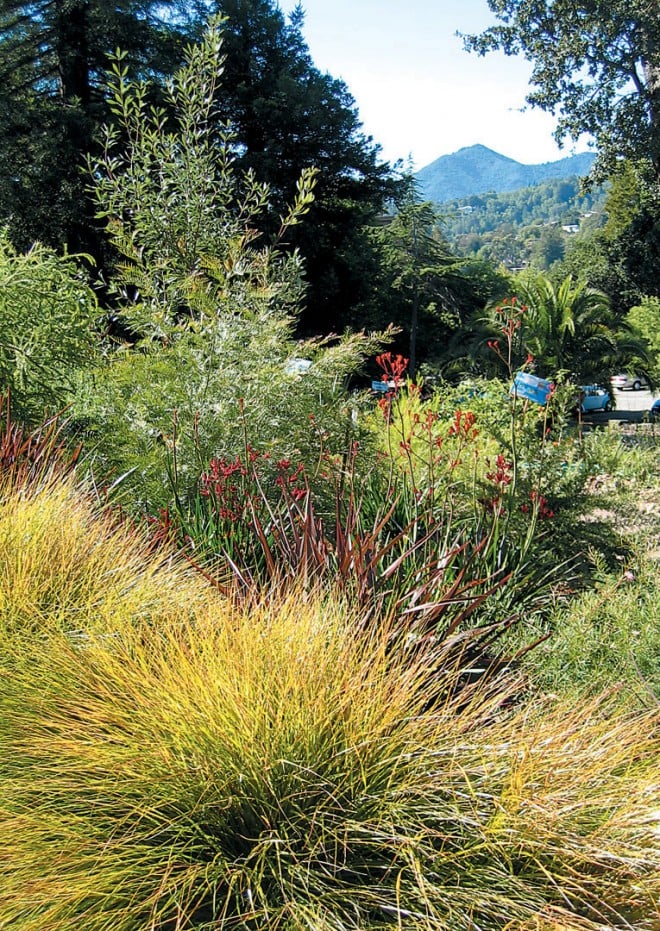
[(72, 49), (651, 66)]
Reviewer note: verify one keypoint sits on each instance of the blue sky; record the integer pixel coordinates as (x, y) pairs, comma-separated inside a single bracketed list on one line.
[(418, 92)]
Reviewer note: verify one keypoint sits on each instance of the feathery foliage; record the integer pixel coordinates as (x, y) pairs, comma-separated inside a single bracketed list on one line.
[(206, 305), (47, 318)]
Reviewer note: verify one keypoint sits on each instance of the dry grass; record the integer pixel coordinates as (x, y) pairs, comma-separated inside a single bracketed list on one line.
[(66, 565)]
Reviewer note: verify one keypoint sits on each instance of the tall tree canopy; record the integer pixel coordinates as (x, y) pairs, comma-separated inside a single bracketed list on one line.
[(53, 57), (421, 287), (622, 258), (288, 116), (285, 114), (595, 62)]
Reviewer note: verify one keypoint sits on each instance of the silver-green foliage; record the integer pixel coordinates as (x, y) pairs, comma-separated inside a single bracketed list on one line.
[(47, 316), (183, 221), (209, 301)]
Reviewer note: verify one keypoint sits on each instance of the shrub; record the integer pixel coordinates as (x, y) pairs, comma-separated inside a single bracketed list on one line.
[(206, 305), (47, 317), (471, 461), (158, 418), (607, 636), (373, 532)]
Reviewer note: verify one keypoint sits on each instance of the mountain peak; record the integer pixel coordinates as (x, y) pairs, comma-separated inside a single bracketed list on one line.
[(479, 150), (477, 169)]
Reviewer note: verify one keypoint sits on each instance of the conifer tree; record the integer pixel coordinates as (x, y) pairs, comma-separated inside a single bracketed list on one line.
[(288, 115), (53, 58)]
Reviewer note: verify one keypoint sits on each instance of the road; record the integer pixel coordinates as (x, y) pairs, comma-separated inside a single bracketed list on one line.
[(630, 406), (632, 400)]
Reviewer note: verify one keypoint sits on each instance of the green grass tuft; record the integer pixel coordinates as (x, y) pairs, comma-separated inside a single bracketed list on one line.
[(193, 763)]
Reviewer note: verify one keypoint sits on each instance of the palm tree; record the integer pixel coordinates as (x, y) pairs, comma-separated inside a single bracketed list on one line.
[(568, 327)]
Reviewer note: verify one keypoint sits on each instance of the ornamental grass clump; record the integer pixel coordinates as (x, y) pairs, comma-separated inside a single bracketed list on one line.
[(278, 764), (66, 564)]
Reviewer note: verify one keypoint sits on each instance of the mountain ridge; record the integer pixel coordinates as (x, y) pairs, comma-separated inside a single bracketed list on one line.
[(476, 169)]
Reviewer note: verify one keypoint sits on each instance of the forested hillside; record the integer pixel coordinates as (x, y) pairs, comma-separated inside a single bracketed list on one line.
[(476, 169), (529, 226)]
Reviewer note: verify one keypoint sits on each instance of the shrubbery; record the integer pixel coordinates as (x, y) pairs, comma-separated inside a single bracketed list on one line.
[(277, 655), (48, 315), (205, 305)]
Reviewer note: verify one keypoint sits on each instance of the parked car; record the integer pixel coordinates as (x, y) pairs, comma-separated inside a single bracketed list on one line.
[(626, 380), (594, 398), (654, 413)]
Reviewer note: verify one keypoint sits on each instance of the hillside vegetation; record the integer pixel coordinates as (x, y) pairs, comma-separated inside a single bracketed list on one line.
[(477, 169), (531, 225)]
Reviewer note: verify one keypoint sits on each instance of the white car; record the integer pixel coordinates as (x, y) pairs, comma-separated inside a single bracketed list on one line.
[(625, 380)]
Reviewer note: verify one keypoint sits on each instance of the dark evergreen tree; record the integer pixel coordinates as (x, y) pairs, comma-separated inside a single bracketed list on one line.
[(289, 116), (53, 56), (421, 287)]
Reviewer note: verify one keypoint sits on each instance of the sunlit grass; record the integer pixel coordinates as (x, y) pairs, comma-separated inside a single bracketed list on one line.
[(266, 770), (65, 565), (190, 763)]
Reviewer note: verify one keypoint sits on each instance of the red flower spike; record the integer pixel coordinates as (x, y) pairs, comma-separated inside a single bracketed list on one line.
[(393, 367), (503, 473), (540, 502)]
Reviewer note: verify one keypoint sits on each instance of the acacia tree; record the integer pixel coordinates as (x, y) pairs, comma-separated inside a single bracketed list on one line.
[(595, 62)]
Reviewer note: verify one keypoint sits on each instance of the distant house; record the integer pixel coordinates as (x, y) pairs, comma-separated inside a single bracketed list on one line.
[(571, 228)]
